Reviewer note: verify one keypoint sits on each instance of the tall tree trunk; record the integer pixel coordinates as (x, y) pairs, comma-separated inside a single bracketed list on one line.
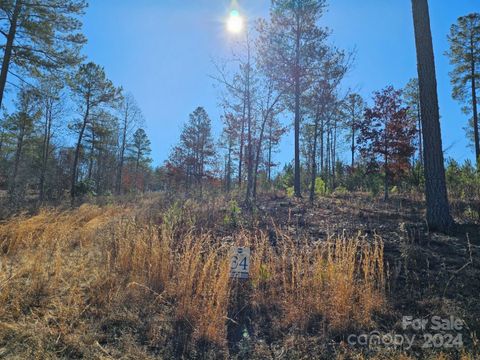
[(297, 181), (420, 136), (297, 186), (259, 149), (242, 143), (334, 155), (438, 212), (474, 105), (385, 179), (46, 147), (269, 175), (327, 155), (77, 154), (92, 155), (17, 158), (7, 55), (2, 140), (229, 167), (118, 184), (353, 136), (314, 159), (98, 172), (248, 196), (321, 147), (202, 170), (137, 163)]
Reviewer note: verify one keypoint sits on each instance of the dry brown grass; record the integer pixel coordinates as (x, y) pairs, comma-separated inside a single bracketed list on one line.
[(341, 280), (97, 282)]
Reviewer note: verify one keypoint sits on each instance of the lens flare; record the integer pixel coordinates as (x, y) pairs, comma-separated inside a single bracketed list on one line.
[(235, 22)]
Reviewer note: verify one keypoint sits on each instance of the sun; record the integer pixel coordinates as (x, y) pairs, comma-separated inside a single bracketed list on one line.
[(235, 22)]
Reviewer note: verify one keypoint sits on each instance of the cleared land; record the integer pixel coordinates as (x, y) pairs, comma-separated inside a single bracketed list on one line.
[(150, 279)]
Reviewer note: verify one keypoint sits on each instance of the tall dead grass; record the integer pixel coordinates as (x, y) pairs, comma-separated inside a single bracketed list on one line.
[(66, 277), (340, 281)]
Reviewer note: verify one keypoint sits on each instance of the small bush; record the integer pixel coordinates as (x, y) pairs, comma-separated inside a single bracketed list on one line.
[(320, 187), (290, 191), (341, 190), (232, 217)]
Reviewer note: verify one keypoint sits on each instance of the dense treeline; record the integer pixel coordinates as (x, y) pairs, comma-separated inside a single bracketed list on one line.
[(289, 68), (69, 131)]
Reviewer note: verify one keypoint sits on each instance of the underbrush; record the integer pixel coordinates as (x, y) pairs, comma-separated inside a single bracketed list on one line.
[(111, 281), (68, 276)]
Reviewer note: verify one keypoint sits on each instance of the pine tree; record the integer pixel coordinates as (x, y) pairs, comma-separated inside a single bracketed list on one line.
[(22, 125), (322, 102), (438, 212), (229, 141), (352, 109), (92, 91), (140, 151), (411, 94), (290, 47), (41, 35), (194, 155), (51, 90), (464, 55)]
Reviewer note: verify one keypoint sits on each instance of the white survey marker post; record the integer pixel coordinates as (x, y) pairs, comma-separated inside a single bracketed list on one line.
[(239, 262)]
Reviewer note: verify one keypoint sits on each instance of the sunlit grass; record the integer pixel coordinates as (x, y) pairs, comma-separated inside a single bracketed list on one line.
[(68, 276)]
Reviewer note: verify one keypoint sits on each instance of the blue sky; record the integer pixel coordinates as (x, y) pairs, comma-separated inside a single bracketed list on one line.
[(162, 51)]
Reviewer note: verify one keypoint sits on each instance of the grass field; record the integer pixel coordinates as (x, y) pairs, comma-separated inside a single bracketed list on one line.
[(151, 280)]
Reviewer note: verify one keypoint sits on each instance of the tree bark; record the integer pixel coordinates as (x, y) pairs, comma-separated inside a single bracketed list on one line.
[(248, 195), (7, 55), (334, 155), (269, 174), (257, 157), (137, 163), (385, 180), (353, 135), (242, 143), (118, 185), (474, 105), (46, 147), (438, 213), (314, 159), (92, 154), (420, 142), (18, 155), (77, 154), (229, 168), (321, 148), (297, 181), (296, 184)]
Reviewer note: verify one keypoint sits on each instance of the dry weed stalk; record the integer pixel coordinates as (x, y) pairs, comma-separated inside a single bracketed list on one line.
[(66, 272)]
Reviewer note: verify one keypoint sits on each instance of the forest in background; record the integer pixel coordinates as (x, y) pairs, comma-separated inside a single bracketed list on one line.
[(71, 131)]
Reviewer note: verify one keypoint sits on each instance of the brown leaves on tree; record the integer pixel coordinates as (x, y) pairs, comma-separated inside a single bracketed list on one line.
[(387, 135)]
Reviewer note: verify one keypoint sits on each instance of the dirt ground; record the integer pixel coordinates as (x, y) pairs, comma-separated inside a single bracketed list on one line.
[(429, 274)]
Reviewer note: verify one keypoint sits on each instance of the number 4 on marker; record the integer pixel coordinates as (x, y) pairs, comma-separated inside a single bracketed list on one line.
[(243, 263)]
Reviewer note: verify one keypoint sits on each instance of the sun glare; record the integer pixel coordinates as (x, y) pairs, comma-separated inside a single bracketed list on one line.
[(235, 22)]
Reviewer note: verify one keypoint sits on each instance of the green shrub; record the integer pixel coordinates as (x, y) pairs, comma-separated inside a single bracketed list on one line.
[(232, 216), (463, 181), (85, 187), (341, 190), (290, 191), (320, 187)]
